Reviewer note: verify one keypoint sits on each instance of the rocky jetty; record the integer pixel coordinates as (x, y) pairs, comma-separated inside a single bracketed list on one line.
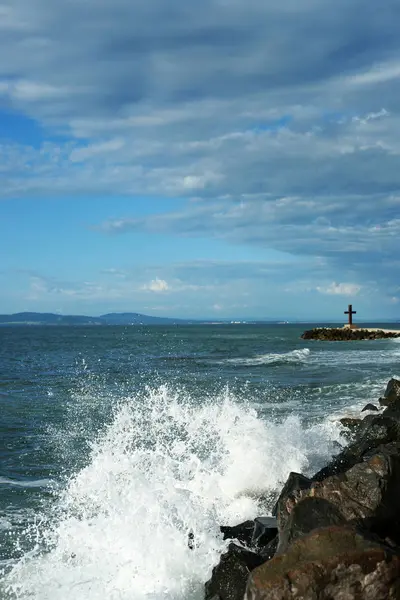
[(333, 535), (345, 334)]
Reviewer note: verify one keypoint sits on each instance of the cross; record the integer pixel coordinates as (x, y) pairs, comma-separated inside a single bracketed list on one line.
[(350, 312)]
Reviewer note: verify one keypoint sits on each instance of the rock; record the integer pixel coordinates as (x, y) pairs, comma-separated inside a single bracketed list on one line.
[(287, 499), (243, 532), (373, 432), (268, 551), (329, 563), (265, 530), (370, 407), (350, 422), (369, 489), (229, 577), (332, 334), (310, 513), (392, 392)]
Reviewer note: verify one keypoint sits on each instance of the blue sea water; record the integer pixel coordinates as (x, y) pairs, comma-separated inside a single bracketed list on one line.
[(116, 441)]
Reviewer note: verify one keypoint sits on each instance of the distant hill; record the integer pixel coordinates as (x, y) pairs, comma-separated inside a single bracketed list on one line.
[(33, 318)]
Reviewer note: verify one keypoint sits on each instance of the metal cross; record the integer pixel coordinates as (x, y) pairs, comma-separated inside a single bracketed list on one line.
[(350, 312)]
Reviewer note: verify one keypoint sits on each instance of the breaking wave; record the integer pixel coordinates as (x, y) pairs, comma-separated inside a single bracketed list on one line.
[(295, 356), (165, 464)]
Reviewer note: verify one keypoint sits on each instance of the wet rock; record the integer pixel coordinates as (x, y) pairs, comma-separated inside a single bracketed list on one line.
[(268, 551), (372, 432), (369, 489), (265, 530), (370, 407), (392, 392), (309, 514), (288, 496), (350, 422), (243, 532), (229, 577), (329, 563)]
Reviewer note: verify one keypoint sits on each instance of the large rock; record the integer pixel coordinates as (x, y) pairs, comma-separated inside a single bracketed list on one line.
[(229, 577), (372, 432), (392, 393), (332, 563), (290, 493), (369, 489), (309, 514)]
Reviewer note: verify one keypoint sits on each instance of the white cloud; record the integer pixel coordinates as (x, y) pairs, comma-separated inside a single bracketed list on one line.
[(340, 289), (157, 285)]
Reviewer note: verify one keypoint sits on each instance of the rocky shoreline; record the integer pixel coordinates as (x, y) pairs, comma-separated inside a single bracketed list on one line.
[(344, 334), (335, 535)]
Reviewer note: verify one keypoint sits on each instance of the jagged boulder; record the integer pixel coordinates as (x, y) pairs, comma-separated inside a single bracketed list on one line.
[(392, 393), (371, 433), (295, 483), (330, 563), (309, 514), (229, 577), (369, 489)]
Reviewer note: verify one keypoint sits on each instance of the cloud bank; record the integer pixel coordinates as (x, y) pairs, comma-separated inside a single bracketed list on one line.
[(278, 123)]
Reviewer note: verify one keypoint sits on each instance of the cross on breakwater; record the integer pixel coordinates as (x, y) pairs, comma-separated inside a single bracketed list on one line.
[(350, 312)]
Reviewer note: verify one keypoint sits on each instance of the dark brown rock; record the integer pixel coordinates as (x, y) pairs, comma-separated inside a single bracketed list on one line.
[(332, 563), (373, 432), (369, 489), (229, 577), (309, 514)]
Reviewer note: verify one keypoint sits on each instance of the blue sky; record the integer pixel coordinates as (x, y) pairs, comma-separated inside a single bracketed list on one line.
[(220, 159)]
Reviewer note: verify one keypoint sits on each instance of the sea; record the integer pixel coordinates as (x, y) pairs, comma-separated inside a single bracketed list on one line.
[(117, 442)]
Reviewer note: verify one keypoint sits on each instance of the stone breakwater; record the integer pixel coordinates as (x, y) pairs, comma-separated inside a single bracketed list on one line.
[(335, 535), (345, 334)]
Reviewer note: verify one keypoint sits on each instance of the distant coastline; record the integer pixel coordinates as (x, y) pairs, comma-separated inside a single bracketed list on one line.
[(131, 318), (53, 319)]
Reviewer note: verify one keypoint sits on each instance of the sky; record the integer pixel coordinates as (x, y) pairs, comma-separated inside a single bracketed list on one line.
[(219, 159)]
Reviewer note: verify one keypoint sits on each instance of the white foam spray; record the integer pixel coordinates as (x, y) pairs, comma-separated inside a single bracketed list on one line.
[(164, 466), (294, 356)]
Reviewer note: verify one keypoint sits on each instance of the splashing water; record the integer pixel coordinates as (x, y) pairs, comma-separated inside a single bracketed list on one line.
[(272, 358), (165, 465)]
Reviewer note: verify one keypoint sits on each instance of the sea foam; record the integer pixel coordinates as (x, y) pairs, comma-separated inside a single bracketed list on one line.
[(164, 465), (272, 358)]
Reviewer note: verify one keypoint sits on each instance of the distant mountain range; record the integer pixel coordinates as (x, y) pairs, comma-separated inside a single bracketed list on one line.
[(34, 318)]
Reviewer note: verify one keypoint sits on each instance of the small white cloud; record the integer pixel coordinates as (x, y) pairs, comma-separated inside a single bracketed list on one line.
[(340, 289), (156, 285), (217, 307)]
